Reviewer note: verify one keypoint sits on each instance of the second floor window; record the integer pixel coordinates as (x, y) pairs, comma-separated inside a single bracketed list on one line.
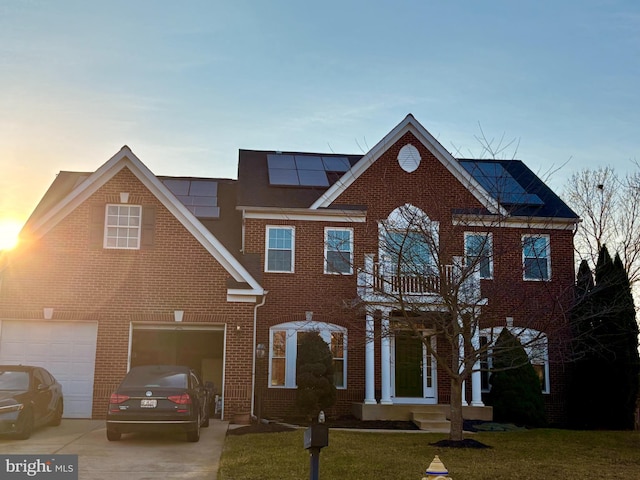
[(338, 250), (478, 253), (122, 226), (280, 249), (536, 258)]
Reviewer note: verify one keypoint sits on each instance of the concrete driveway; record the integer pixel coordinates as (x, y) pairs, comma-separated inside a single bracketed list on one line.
[(135, 457)]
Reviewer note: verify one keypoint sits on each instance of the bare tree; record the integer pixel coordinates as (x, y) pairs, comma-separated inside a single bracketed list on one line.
[(610, 209)]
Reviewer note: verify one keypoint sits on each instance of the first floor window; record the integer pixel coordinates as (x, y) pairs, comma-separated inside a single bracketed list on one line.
[(338, 245), (534, 343), (284, 341), (536, 257), (478, 253), (280, 249), (122, 226)]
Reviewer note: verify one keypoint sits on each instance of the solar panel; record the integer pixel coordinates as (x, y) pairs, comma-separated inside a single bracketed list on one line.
[(199, 196), (313, 178), (305, 170), (500, 183), (336, 164), (308, 162), (281, 161)]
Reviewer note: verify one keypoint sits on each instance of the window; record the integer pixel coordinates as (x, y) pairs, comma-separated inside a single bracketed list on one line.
[(122, 227), (409, 251), (280, 249), (478, 251), (283, 350), (338, 250), (535, 257), (534, 343)]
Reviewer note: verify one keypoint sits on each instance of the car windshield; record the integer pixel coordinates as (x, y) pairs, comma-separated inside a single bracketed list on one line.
[(12, 380), (155, 378)]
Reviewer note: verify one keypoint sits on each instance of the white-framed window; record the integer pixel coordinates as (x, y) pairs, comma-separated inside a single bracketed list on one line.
[(536, 257), (338, 250), (478, 250), (122, 226), (535, 344), (283, 351), (280, 248)]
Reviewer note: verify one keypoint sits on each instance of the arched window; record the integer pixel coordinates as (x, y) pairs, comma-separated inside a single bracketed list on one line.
[(283, 351)]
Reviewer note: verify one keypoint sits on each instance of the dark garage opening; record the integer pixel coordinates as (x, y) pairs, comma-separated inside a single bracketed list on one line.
[(202, 350)]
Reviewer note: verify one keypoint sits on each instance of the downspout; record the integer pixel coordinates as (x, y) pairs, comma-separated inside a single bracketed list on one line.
[(255, 336)]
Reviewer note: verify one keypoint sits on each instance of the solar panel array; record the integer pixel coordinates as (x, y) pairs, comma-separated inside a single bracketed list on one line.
[(304, 170), (199, 196), (499, 183)]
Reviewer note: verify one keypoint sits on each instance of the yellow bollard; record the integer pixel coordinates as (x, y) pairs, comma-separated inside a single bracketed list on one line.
[(436, 471)]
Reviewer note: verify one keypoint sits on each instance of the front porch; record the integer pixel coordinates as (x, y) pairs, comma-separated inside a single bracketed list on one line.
[(432, 418)]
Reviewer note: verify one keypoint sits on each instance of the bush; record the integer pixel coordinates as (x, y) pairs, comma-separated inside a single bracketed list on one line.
[(314, 375), (515, 394)]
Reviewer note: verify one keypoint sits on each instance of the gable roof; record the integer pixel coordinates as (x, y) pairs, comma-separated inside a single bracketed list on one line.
[(410, 124), (255, 190), (536, 199), (70, 189)]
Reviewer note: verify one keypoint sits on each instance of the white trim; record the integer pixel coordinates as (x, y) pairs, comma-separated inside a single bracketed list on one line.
[(325, 260), (409, 124), (125, 158), (325, 215), (489, 243), (530, 336), (488, 221), (547, 257), (291, 330), (267, 249)]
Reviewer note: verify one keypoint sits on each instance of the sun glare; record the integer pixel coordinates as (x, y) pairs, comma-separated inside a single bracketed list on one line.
[(9, 230)]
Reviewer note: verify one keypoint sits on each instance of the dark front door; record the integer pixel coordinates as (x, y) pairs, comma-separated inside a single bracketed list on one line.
[(408, 366)]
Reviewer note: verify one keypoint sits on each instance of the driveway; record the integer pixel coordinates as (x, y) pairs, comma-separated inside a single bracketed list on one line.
[(135, 457)]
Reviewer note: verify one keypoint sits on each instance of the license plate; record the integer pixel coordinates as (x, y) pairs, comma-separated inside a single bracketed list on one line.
[(148, 403)]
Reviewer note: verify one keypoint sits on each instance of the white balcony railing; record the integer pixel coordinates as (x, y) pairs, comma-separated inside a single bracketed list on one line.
[(382, 280)]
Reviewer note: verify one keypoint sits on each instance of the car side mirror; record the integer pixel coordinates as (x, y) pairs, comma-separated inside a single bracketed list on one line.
[(41, 386)]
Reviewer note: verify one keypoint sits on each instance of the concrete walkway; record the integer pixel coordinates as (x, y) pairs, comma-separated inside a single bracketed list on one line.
[(135, 457)]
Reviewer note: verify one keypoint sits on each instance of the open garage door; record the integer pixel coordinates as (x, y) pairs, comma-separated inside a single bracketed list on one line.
[(66, 349), (200, 347)]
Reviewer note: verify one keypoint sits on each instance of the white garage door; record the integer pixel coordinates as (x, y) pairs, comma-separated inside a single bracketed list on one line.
[(66, 349)]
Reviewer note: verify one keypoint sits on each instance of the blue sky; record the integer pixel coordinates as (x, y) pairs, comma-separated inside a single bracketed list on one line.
[(187, 84)]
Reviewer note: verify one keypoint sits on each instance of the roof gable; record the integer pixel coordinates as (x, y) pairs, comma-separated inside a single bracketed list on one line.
[(409, 124), (80, 188)]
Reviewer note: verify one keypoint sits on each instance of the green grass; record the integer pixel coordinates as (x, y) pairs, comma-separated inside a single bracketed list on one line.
[(523, 455)]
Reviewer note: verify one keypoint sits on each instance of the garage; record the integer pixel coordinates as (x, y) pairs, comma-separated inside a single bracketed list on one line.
[(197, 346), (66, 349)]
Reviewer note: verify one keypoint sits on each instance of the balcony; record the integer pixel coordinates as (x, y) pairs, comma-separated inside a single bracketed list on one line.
[(383, 283)]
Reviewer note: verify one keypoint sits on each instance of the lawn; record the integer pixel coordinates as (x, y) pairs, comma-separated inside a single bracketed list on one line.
[(351, 455)]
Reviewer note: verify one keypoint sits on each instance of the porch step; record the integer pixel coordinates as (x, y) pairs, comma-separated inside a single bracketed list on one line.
[(434, 420)]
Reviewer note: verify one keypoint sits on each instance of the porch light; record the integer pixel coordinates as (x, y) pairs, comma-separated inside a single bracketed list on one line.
[(261, 350)]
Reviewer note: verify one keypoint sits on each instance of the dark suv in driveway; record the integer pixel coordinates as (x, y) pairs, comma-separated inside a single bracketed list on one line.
[(158, 398)]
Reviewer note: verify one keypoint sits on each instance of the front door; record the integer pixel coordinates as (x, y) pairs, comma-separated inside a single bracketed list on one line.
[(414, 369)]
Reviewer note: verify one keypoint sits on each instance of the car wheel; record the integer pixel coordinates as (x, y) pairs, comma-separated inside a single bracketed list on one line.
[(25, 423), (113, 435), (57, 415), (194, 435)]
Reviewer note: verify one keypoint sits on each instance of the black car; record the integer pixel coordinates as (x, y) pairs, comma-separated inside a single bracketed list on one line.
[(29, 397), (156, 398)]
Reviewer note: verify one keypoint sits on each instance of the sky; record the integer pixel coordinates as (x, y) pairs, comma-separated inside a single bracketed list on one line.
[(187, 84)]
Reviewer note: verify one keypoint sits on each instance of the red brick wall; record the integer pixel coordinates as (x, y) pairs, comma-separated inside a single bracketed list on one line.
[(114, 287)]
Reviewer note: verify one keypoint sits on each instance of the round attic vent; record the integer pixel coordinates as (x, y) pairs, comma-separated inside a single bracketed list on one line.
[(409, 158)]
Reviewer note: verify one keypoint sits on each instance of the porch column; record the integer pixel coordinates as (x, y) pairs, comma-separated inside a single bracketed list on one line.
[(461, 367), (385, 361), (370, 394), (476, 375)]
